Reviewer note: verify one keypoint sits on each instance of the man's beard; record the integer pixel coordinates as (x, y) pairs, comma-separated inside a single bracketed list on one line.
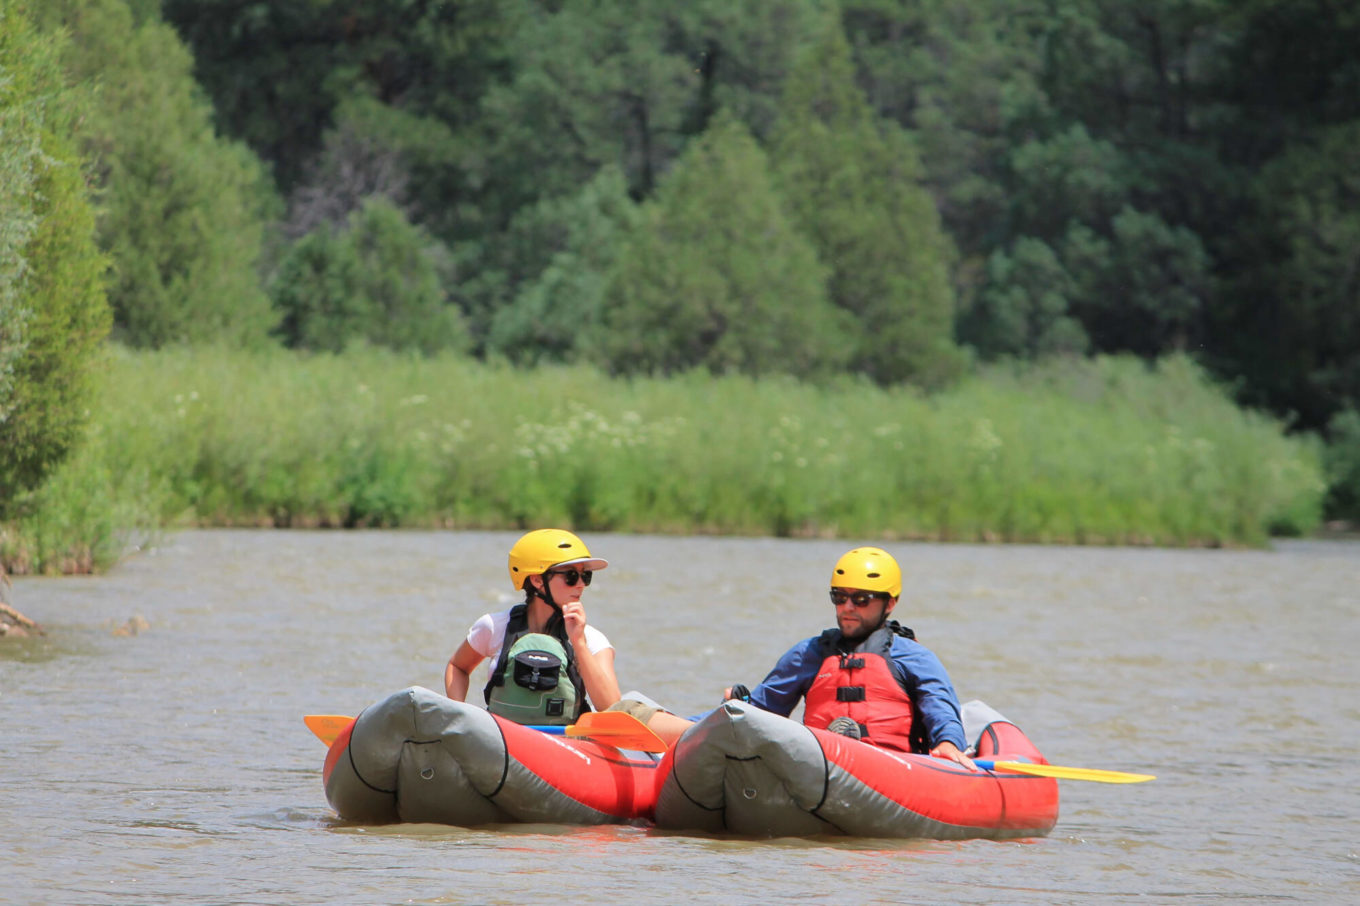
[(864, 630)]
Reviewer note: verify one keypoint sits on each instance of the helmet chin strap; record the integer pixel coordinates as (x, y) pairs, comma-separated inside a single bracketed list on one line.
[(546, 594)]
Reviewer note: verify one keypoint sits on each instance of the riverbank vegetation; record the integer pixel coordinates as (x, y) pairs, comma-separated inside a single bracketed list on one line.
[(1076, 451), (678, 262)]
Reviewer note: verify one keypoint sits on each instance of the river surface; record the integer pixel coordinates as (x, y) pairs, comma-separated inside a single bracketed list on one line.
[(153, 748)]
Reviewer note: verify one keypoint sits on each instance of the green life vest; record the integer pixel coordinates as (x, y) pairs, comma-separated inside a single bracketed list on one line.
[(535, 679)]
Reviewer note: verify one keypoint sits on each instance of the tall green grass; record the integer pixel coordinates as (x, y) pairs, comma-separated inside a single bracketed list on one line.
[(1097, 452)]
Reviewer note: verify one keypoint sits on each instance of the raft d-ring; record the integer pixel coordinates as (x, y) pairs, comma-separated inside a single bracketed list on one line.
[(750, 792), (427, 774)]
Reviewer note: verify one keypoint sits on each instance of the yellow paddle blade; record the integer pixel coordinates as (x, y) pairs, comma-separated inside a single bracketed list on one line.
[(618, 729), (327, 727), (1062, 773)]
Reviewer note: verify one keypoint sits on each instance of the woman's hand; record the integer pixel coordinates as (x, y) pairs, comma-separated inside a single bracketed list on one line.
[(574, 620)]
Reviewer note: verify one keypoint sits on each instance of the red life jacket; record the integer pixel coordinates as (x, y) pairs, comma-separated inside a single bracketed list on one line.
[(862, 684)]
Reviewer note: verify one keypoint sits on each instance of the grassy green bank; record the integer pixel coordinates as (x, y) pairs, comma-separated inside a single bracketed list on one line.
[(1103, 452)]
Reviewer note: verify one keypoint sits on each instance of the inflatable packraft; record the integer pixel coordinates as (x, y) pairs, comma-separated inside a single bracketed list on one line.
[(420, 757), (746, 771)]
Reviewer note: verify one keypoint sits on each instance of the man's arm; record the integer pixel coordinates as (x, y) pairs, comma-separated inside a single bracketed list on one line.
[(783, 688), (932, 692)]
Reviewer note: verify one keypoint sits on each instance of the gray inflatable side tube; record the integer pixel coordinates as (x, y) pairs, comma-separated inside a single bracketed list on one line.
[(418, 756), (775, 770)]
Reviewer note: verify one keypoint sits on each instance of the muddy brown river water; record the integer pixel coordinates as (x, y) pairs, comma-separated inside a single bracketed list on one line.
[(169, 763)]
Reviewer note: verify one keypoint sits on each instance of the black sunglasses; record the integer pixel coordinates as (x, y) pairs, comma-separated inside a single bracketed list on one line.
[(858, 598), (573, 575)]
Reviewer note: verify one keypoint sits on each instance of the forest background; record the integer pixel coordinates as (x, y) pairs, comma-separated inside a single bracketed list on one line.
[(1066, 270)]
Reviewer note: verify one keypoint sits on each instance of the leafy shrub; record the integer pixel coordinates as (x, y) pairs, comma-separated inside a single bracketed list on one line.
[(1343, 466), (57, 313), (380, 280)]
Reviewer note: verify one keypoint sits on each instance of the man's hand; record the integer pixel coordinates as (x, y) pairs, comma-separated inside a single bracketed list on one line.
[(737, 691), (950, 751)]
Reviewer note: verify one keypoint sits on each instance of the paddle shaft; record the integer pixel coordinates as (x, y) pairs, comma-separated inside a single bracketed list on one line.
[(1094, 775)]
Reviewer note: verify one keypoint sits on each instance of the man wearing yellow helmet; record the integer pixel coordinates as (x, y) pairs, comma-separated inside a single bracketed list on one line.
[(548, 660), (868, 678)]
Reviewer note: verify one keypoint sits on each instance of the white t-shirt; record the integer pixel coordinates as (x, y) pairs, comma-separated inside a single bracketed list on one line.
[(487, 635)]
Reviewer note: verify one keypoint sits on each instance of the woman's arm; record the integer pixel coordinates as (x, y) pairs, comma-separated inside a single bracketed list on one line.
[(459, 670), (597, 672)]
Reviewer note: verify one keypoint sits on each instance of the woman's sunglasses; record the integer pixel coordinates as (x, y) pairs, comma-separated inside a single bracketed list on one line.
[(573, 575), (858, 598)]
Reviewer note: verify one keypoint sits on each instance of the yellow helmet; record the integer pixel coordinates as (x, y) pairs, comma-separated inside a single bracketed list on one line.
[(542, 549), (869, 568)]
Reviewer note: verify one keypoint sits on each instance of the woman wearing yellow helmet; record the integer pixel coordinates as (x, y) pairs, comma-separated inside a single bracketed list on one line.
[(548, 659)]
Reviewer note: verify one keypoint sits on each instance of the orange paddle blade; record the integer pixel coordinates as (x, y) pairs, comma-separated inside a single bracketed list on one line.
[(618, 729), (327, 726), (613, 727)]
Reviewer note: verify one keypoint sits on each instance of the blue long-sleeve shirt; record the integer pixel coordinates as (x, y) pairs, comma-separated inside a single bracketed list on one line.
[(916, 666)]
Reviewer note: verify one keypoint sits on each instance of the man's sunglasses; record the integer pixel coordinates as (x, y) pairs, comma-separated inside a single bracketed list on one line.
[(573, 575), (858, 598)]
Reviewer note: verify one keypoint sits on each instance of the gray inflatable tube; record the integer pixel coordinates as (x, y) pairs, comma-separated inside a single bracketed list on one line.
[(745, 771)]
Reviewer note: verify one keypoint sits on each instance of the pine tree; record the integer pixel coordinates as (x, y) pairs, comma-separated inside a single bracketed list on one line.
[(717, 276), (853, 182)]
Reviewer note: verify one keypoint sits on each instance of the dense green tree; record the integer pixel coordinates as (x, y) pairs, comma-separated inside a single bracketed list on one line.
[(628, 83), (313, 290), (1119, 190), (1141, 288), (183, 211), (595, 84), (1056, 180), (379, 280), (741, 54), (278, 72), (853, 182), (963, 76), (53, 313), (1292, 321), (559, 254), (1023, 310), (357, 161), (603, 84), (1075, 126), (20, 125), (1343, 465), (1233, 125), (717, 276)]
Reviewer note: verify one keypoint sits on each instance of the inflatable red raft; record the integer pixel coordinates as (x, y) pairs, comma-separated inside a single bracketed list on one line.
[(417, 756), (420, 757), (746, 771)]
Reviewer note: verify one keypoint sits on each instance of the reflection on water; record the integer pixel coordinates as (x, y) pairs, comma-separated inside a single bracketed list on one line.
[(172, 764)]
